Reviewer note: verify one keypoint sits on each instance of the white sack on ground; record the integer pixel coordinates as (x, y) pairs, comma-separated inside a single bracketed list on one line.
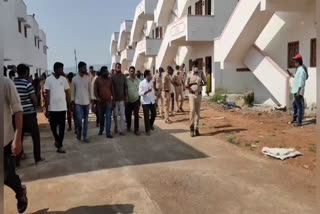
[(281, 153)]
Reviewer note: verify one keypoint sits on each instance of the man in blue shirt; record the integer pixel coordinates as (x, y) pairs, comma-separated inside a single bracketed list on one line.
[(298, 89)]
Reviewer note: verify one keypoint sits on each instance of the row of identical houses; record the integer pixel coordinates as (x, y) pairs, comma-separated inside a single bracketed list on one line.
[(24, 41), (244, 45)]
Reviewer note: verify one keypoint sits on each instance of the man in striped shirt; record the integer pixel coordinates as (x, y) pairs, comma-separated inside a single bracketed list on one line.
[(28, 102)]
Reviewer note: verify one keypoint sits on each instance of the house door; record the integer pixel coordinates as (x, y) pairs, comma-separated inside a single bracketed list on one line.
[(209, 71)]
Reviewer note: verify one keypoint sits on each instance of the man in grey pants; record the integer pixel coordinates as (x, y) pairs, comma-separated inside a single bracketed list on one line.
[(120, 97)]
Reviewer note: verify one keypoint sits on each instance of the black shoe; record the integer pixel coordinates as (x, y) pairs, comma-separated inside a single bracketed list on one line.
[(152, 128), (137, 133), (148, 133), (109, 136), (197, 133), (128, 129), (79, 136), (22, 200), (61, 151), (69, 129), (86, 141), (121, 134), (100, 133), (40, 161), (192, 132)]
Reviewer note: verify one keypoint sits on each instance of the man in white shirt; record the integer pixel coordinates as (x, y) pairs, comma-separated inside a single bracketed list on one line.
[(81, 97), (148, 101), (57, 96)]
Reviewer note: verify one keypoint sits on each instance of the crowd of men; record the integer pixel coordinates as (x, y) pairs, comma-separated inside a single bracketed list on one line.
[(110, 94)]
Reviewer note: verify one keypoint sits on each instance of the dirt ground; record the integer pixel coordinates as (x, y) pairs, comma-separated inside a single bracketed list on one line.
[(252, 130)]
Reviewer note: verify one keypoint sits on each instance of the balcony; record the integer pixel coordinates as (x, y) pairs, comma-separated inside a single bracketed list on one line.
[(144, 12), (163, 11), (127, 55), (194, 28), (146, 48), (124, 34), (114, 43)]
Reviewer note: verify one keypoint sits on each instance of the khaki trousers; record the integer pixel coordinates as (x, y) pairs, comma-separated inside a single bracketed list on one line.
[(160, 100), (166, 99), (195, 105), (179, 94)]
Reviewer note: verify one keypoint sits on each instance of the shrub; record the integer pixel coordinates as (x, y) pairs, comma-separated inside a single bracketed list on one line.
[(249, 98), (218, 97)]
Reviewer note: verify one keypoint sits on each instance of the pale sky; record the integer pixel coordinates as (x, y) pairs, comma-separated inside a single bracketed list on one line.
[(86, 25)]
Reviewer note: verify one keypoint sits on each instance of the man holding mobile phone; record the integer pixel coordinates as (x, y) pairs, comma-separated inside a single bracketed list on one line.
[(298, 89), (148, 101)]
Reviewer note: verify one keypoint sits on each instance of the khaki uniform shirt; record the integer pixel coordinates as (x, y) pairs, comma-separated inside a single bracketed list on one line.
[(166, 82), (158, 81), (177, 80), (195, 81)]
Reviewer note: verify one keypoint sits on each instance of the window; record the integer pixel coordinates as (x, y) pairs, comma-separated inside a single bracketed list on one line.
[(25, 32), (19, 26), (190, 10), (45, 50), (199, 7), (293, 50), (38, 44), (313, 53), (35, 41), (243, 70), (208, 7)]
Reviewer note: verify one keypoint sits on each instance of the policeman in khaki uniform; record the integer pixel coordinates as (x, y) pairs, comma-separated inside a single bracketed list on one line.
[(158, 89), (195, 81), (166, 87), (178, 88)]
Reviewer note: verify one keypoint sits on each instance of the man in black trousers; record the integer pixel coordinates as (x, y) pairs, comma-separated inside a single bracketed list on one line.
[(148, 101), (29, 101), (57, 97), (133, 104)]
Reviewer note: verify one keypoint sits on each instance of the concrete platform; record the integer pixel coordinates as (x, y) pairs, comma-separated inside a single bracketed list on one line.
[(166, 173)]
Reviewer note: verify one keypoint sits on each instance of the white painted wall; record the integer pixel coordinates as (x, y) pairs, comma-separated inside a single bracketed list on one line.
[(297, 27), (17, 48)]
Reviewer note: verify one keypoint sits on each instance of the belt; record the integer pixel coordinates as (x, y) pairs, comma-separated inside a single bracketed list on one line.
[(168, 91), (196, 93)]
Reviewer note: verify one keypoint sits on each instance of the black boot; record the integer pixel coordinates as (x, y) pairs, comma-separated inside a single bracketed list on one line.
[(192, 131), (197, 132)]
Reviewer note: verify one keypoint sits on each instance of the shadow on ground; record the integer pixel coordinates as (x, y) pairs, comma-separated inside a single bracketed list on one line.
[(107, 209), (227, 131), (103, 153)]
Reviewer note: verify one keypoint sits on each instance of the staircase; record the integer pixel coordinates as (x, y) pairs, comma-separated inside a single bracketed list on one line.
[(167, 51), (243, 28), (269, 73)]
